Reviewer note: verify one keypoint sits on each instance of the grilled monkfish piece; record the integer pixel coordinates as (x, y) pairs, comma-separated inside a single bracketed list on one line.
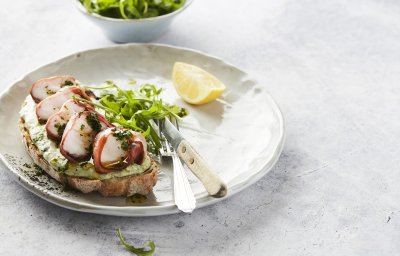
[(46, 87), (56, 123), (76, 143), (53, 103), (114, 149)]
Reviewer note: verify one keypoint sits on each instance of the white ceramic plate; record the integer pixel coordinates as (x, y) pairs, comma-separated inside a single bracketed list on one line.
[(241, 135)]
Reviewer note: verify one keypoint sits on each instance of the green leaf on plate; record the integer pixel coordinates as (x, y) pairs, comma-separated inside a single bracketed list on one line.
[(146, 251), (134, 109)]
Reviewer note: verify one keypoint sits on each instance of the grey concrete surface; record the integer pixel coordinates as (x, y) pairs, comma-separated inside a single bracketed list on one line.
[(332, 66)]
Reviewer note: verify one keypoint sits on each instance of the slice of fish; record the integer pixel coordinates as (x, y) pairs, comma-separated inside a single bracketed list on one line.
[(53, 103), (46, 87), (57, 122), (138, 137), (114, 149), (76, 143)]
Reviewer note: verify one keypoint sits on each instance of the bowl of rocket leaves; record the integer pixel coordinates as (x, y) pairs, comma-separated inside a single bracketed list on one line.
[(125, 21)]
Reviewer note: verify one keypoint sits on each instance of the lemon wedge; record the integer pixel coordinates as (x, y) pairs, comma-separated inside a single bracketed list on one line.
[(195, 85)]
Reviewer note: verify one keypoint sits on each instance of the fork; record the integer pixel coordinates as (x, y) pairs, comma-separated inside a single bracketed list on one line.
[(183, 194)]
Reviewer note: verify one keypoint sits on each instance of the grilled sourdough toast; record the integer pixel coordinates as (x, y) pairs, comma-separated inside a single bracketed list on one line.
[(116, 186)]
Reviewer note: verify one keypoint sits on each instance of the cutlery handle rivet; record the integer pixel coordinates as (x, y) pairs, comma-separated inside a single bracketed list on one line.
[(183, 149), (211, 181)]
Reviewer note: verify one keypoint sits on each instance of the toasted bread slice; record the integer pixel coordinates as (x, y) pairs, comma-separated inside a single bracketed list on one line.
[(120, 186)]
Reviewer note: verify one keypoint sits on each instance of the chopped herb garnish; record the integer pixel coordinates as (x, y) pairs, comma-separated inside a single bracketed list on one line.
[(82, 127), (38, 138), (123, 136), (68, 83), (138, 251), (50, 92), (26, 165), (39, 171), (125, 145), (89, 148), (85, 165), (60, 128), (93, 120)]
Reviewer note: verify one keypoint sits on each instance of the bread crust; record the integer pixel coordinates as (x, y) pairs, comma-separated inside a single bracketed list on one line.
[(119, 186)]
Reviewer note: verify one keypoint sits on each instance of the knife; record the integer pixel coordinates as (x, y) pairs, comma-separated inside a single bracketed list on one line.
[(211, 181)]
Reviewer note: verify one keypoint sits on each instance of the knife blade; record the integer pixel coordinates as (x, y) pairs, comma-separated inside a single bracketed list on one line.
[(210, 180)]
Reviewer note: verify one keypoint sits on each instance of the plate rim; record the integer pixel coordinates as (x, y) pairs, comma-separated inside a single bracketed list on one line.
[(142, 211)]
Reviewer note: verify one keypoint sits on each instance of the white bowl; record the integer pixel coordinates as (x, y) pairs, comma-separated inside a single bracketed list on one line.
[(132, 30)]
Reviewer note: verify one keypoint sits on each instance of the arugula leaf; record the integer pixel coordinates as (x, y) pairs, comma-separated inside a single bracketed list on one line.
[(109, 101), (132, 9), (137, 251), (88, 5), (134, 110)]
